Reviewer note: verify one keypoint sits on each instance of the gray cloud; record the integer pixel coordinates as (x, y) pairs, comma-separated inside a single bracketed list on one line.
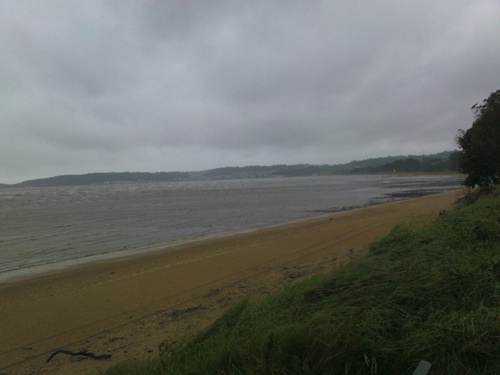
[(186, 85)]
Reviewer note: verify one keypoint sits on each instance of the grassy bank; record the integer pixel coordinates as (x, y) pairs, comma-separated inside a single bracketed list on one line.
[(424, 292)]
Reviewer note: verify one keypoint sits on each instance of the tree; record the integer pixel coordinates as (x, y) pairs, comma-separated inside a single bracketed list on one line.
[(480, 159), (453, 162)]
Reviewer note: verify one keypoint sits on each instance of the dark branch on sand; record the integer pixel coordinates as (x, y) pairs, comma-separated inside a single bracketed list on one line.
[(84, 353)]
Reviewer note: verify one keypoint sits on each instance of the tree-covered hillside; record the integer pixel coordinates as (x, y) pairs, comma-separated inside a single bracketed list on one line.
[(443, 162)]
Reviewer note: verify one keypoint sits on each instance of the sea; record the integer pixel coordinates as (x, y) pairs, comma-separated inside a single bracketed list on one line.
[(43, 229)]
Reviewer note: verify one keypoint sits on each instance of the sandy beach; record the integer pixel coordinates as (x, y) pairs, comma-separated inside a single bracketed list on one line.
[(126, 306)]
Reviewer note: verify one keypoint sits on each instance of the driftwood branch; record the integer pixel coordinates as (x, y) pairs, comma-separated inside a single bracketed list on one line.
[(84, 353)]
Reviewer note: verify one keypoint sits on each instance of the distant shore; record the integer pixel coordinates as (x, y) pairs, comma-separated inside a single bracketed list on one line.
[(442, 162), (126, 306)]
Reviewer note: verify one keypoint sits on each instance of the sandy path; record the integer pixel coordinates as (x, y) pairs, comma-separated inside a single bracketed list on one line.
[(126, 307)]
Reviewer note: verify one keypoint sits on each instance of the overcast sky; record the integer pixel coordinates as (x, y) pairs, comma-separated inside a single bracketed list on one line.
[(168, 85)]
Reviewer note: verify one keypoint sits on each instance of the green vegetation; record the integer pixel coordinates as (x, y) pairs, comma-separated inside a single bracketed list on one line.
[(426, 291), (480, 159), (429, 164), (446, 161)]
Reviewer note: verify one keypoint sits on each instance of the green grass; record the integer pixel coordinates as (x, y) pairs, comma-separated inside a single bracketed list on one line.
[(424, 292)]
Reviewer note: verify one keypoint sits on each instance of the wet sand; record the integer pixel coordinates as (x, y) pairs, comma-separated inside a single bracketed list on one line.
[(127, 306)]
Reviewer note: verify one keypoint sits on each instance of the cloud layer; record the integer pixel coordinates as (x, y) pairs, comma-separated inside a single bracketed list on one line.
[(123, 85)]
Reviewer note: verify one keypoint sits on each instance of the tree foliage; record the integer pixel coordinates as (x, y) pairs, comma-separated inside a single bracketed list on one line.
[(480, 159)]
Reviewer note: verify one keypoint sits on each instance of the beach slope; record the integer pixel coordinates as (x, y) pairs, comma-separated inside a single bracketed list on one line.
[(127, 306)]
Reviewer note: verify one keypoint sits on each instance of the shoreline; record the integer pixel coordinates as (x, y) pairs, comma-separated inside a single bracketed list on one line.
[(126, 306), (43, 269), (21, 274)]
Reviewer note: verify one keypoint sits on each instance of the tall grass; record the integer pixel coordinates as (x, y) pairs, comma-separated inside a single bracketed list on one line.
[(428, 292)]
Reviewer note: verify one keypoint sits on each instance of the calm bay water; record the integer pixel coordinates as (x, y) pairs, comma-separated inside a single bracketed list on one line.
[(44, 228)]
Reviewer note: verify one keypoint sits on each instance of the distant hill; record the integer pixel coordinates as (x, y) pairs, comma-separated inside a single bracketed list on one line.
[(442, 162), (104, 178)]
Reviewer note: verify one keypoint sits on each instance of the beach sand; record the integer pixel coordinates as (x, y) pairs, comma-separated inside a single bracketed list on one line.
[(127, 306)]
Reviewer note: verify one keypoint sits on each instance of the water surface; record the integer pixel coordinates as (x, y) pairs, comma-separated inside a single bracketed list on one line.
[(60, 225)]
